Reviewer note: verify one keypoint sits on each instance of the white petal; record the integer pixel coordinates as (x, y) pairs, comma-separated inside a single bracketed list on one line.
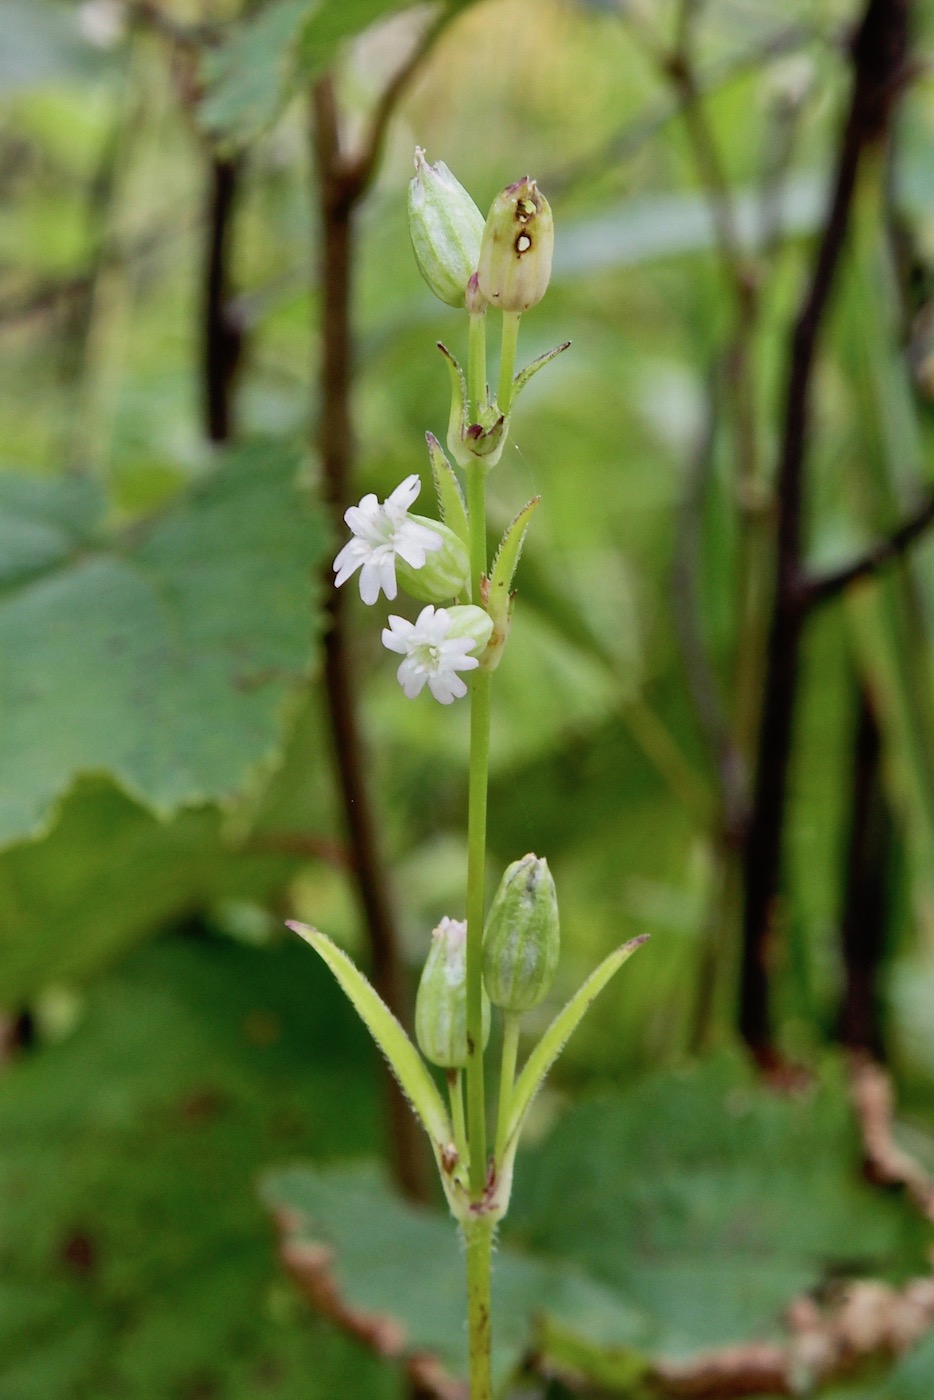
[(411, 677), (446, 687), (348, 561), (372, 579), (405, 493), (461, 663), (358, 517), (397, 635)]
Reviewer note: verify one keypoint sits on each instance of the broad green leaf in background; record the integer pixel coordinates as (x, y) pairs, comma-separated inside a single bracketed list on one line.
[(405, 1264), (711, 1202), (165, 659), (109, 874), (681, 1216), (249, 78), (269, 56), (135, 1259)]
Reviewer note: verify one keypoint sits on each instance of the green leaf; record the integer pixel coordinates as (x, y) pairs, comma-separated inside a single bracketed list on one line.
[(683, 1215), (398, 1270), (524, 375), (328, 26), (450, 497), (251, 76), (556, 1036), (404, 1060), (165, 660), (715, 1201), (507, 559), (107, 876), (136, 1261)]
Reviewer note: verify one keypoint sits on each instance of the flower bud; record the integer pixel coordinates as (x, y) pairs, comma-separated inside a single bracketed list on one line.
[(521, 941), (445, 572), (441, 1002), (471, 621), (445, 227), (515, 253)]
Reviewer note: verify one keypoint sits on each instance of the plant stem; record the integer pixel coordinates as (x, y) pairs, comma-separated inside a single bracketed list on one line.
[(507, 1076), (476, 365), (507, 360), (478, 1236), (476, 846), (476, 865), (456, 1095)]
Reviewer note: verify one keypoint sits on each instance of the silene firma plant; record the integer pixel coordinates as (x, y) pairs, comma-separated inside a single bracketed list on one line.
[(504, 960)]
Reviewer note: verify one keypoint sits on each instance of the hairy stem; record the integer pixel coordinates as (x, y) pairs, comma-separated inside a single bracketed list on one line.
[(476, 365), (456, 1096), (507, 360), (478, 1237), (506, 1078)]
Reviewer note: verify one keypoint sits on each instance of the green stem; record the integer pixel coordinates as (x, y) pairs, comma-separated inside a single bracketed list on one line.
[(507, 1077), (476, 365), (476, 847), (455, 1092), (507, 360), (478, 1236)]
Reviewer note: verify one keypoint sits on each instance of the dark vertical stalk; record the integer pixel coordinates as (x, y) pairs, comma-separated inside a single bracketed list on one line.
[(222, 336), (340, 188), (879, 53), (865, 890)]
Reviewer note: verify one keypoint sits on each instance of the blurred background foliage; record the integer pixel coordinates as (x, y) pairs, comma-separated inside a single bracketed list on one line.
[(166, 784)]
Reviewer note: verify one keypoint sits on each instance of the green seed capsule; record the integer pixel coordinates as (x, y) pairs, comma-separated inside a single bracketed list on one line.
[(441, 1002), (515, 253), (522, 939), (445, 572), (446, 228)]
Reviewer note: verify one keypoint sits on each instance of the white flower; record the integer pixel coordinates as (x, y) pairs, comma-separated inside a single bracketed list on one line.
[(431, 654), (381, 532)]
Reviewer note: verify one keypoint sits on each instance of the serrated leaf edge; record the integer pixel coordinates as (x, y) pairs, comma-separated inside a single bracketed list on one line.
[(403, 1058)]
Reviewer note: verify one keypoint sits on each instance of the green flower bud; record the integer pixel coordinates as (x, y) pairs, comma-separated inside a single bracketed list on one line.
[(445, 572), (515, 253), (521, 941), (441, 1002), (445, 227), (470, 621)]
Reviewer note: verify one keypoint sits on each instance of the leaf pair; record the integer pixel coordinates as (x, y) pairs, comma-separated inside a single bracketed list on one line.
[(413, 1075)]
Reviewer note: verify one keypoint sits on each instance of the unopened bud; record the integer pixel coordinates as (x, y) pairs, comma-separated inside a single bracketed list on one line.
[(445, 572), (515, 253), (522, 940), (446, 228), (441, 1002), (471, 621)]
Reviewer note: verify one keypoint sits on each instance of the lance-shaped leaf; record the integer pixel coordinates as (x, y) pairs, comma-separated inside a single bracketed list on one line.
[(524, 375), (404, 1060), (458, 408), (450, 497), (556, 1037), (506, 561)]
